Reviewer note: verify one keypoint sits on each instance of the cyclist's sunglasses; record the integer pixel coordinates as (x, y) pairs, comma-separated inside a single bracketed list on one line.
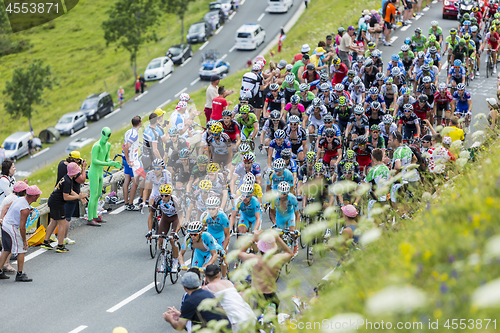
[(215, 134), (329, 136), (157, 168), (165, 195), (329, 122), (275, 119), (184, 159), (376, 132), (358, 115), (202, 164), (247, 195)]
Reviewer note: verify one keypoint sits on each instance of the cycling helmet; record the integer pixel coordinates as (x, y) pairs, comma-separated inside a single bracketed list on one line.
[(216, 128), (475, 8), (425, 67), (395, 71), (283, 187), (339, 87), (467, 22), (323, 77), (279, 134), (290, 79), (351, 73), (324, 87), (395, 57), (461, 86), (184, 97), (210, 123), (379, 77), (368, 62), (212, 202), (453, 31), (493, 29), (442, 86), (407, 41), (248, 158), (497, 15), (405, 48), (244, 148), (278, 164), (389, 80), (349, 154), (319, 168), (295, 99), (195, 227), (274, 86), (336, 61), (342, 101), (303, 87), (375, 105), (432, 38), (361, 140), (373, 91), (358, 109), (348, 168), (457, 63), (329, 131), (466, 16), (408, 107), (244, 109), (184, 153), (249, 178), (294, 119), (356, 81), (418, 31), (421, 55), (275, 114), (202, 159), (433, 50), (423, 98), (371, 45), (473, 28), (213, 168), (361, 59), (430, 62), (286, 154), (467, 37), (227, 113), (461, 42), (317, 102), (434, 23), (246, 188), (173, 131), (409, 90), (310, 66), (426, 79), (158, 162), (387, 119), (165, 189), (328, 118), (244, 98), (205, 185), (310, 156), (376, 53)]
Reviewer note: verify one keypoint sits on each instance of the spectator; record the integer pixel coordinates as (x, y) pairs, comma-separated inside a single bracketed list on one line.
[(211, 93), (304, 50), (182, 119), (252, 85), (19, 190), (240, 314), (131, 164), (189, 309), (346, 45), (375, 28), (137, 87), (338, 38), (120, 94), (453, 131), (30, 146), (62, 193), (143, 83), (407, 12), (350, 212), (14, 232), (220, 103), (390, 16), (7, 179)]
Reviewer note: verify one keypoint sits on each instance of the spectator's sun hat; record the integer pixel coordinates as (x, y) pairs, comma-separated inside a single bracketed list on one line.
[(350, 211), (191, 280), (282, 64), (19, 186), (350, 28), (75, 154), (33, 190), (181, 105), (256, 67), (159, 112), (267, 242), (73, 169), (305, 48), (320, 51), (365, 12), (214, 78), (289, 67), (447, 140)]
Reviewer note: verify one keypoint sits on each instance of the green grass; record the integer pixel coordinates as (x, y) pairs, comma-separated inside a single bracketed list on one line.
[(74, 46)]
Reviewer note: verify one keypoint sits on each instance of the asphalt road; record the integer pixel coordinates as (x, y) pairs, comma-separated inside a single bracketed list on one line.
[(184, 78), (107, 278)]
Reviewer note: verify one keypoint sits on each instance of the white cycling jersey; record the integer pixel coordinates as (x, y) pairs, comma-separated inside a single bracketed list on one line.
[(164, 178)]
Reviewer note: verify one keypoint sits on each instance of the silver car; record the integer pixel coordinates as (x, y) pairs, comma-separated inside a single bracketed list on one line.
[(71, 122)]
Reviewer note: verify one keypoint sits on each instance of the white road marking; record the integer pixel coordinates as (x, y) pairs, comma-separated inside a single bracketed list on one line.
[(444, 66), (393, 39), (418, 17), (38, 252), (425, 9), (204, 45), (232, 49), (80, 131), (78, 329), (189, 59), (40, 152), (165, 78), (163, 104), (231, 16), (242, 2), (435, 1), (118, 210), (131, 298), (112, 113), (406, 27), (180, 92), (195, 81), (140, 96), (223, 57), (261, 17), (218, 30)]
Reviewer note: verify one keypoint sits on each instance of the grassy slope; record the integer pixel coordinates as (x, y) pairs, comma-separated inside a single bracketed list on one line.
[(76, 50)]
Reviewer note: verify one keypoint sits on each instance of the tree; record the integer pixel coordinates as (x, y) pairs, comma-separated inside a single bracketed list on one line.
[(26, 89), (130, 24), (179, 8)]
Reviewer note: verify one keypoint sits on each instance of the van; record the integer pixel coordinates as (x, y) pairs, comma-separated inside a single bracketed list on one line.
[(249, 36), (278, 6), (16, 145), (96, 106)]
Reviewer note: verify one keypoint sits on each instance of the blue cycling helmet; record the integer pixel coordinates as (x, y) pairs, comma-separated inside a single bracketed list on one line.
[(184, 153), (457, 63), (279, 134), (467, 22), (295, 99), (407, 40), (173, 131), (395, 57)]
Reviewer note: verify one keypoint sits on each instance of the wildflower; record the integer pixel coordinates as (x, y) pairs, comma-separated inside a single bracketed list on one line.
[(396, 299), (370, 236), (487, 295)]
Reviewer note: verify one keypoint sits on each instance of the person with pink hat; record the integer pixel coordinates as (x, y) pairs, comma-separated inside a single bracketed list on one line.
[(350, 212), (264, 272), (62, 193), (14, 231)]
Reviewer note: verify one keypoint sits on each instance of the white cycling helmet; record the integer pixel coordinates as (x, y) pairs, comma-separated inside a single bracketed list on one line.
[(249, 178), (212, 202), (246, 189), (279, 164), (283, 187), (194, 227)]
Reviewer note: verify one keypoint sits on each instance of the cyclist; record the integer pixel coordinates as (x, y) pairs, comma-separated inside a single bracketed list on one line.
[(249, 209), (339, 92), (405, 98), (290, 164), (205, 135), (276, 146), (428, 89), (357, 91), (460, 51), (419, 40), (398, 78), (407, 57), (387, 126), (154, 179), (294, 108), (377, 60), (456, 74), (200, 196), (462, 20), (368, 72), (478, 41), (379, 81), (314, 116), (198, 172), (419, 61), (306, 96), (243, 148), (363, 152), (287, 211), (278, 175), (436, 31), (182, 169), (450, 43), (442, 100), (492, 42), (247, 166), (425, 70), (340, 70), (465, 29), (275, 100), (422, 108), (231, 128), (461, 105), (320, 192), (358, 124), (471, 53), (203, 244), (297, 136), (395, 62), (330, 149), (173, 147), (243, 100), (349, 174), (409, 123), (374, 113), (374, 95), (329, 100), (289, 87), (249, 125), (389, 92), (170, 207), (306, 171), (219, 145), (432, 42), (219, 183), (434, 55), (375, 139), (249, 178), (349, 157), (311, 77), (377, 177), (328, 123)]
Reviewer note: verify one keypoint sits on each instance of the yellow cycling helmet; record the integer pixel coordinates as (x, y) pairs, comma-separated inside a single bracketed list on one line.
[(336, 61), (213, 168), (166, 189), (205, 185), (467, 37), (216, 128), (493, 29), (371, 46)]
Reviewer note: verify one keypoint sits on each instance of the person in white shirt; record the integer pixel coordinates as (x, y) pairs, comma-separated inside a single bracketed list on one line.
[(211, 93), (7, 179), (131, 163)]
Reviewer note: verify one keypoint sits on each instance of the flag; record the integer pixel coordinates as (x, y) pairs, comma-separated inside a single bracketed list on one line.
[(138, 169)]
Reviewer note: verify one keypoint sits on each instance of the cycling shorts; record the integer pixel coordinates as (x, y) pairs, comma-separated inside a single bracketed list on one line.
[(166, 222), (358, 131), (246, 221), (297, 148), (440, 108), (220, 239), (462, 107), (409, 132), (342, 126), (200, 258), (246, 132), (491, 45), (457, 80), (284, 223)]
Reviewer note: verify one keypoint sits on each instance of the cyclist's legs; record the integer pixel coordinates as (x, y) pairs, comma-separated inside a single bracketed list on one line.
[(243, 224), (165, 223), (200, 258)]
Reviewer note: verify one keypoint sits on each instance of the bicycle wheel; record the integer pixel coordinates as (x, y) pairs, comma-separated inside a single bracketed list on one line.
[(173, 276), (310, 253), (160, 271), (153, 243), (288, 266)]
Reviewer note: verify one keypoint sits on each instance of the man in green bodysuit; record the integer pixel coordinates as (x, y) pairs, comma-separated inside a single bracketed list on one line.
[(100, 159)]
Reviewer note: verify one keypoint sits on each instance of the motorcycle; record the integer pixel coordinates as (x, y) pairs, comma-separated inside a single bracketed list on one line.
[(464, 6)]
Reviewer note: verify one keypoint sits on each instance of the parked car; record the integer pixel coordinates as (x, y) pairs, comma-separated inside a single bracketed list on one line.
[(158, 68), (250, 36), (78, 144), (16, 145), (450, 9), (179, 53), (199, 32), (226, 7), (215, 18), (279, 6), (212, 64), (71, 122), (96, 106)]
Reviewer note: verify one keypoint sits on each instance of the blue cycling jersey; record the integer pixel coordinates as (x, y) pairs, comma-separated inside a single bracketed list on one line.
[(334, 126), (207, 239), (436, 59), (240, 169), (247, 210), (421, 74), (462, 102), (215, 225), (278, 149), (292, 166), (400, 65), (455, 74), (285, 218), (274, 179), (369, 99)]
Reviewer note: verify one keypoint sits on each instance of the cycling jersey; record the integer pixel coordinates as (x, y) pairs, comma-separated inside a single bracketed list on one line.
[(356, 93), (335, 127), (288, 90), (296, 111), (368, 77), (380, 142), (270, 127), (219, 185), (330, 102), (278, 149), (457, 74), (291, 166), (304, 173), (361, 127), (342, 116), (248, 211), (374, 117), (421, 74), (462, 104), (401, 100), (237, 107), (410, 121), (201, 257), (149, 137), (197, 173), (442, 99), (459, 53), (404, 154), (438, 33), (331, 150), (354, 178), (378, 175), (274, 103), (399, 64), (419, 42), (167, 208), (421, 110), (178, 119), (221, 146), (274, 179), (312, 117), (215, 225), (452, 42), (341, 164), (363, 156), (285, 218), (232, 130), (297, 138), (369, 99), (430, 94), (164, 178), (240, 169), (180, 174), (492, 39), (246, 126), (340, 73), (307, 100)]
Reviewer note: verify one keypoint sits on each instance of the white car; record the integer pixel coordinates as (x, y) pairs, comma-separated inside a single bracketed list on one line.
[(249, 36), (78, 144), (213, 67), (158, 68), (279, 6)]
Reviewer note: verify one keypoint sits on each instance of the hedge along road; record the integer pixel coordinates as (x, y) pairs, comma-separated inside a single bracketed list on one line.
[(183, 77)]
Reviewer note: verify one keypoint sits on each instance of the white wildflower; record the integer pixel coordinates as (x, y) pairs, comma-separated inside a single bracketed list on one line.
[(396, 299), (487, 295), (338, 322), (370, 236)]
